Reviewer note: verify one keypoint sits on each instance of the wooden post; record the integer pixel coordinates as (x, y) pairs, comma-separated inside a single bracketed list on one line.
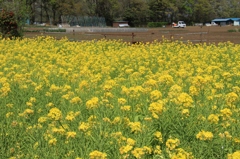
[(133, 37), (208, 35), (201, 37), (171, 38)]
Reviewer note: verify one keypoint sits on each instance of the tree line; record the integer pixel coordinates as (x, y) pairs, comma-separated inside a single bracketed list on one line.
[(136, 12)]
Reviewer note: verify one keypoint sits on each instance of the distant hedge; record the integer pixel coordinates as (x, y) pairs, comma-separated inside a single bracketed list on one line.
[(54, 30), (156, 24), (234, 30)]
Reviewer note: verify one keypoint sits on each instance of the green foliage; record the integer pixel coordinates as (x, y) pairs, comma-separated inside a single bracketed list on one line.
[(107, 9), (66, 100), (234, 30), (135, 13), (9, 25), (54, 30), (156, 24)]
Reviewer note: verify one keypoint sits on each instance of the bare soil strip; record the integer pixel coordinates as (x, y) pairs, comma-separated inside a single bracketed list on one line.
[(194, 34)]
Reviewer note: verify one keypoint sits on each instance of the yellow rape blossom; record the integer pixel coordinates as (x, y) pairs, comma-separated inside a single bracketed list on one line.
[(28, 111), (97, 155), (166, 79), (50, 104), (71, 115), (32, 100), (9, 114), (9, 105), (231, 98), (185, 100), (135, 127), (35, 146), (53, 88), (125, 93), (55, 114), (83, 126), (83, 85), (193, 91), (156, 107), (131, 141), (52, 141), (181, 154), (226, 135), (29, 104), (125, 149), (60, 130), (155, 95), (226, 113), (71, 134), (151, 83), (138, 152), (125, 108), (213, 118), (116, 120), (147, 150), (158, 136), (75, 100), (185, 112), (204, 135), (92, 103), (42, 119), (172, 143), (235, 155), (157, 150), (122, 101)]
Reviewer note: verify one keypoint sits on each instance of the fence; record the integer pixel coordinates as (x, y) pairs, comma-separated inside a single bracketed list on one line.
[(190, 34), (141, 36), (192, 37), (85, 21)]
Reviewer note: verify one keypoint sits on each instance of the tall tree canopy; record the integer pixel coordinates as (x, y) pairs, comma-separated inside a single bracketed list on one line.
[(137, 12)]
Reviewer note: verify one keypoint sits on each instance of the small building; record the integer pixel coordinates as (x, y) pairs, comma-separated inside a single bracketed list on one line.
[(227, 21), (236, 21), (222, 22), (120, 24)]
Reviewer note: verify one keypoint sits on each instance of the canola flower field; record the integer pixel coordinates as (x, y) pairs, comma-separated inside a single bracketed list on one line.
[(113, 100)]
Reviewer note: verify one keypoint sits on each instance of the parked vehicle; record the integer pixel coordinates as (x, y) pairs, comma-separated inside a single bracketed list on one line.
[(180, 24), (211, 24)]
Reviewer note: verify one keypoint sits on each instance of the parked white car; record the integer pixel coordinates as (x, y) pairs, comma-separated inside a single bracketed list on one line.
[(180, 24), (211, 24)]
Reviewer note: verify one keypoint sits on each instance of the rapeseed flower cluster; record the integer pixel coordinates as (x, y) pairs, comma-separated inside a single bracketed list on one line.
[(172, 143), (110, 99), (97, 155), (55, 114), (234, 155), (204, 135)]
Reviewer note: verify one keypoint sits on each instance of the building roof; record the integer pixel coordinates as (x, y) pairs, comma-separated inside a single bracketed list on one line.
[(235, 19), (225, 19), (221, 20)]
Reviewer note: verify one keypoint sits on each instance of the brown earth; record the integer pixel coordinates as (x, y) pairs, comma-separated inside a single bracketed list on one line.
[(194, 34)]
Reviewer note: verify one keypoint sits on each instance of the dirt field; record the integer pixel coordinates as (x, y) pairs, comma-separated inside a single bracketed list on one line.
[(194, 34)]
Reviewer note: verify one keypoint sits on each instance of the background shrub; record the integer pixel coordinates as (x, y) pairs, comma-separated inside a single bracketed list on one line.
[(54, 30), (156, 24), (9, 25)]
